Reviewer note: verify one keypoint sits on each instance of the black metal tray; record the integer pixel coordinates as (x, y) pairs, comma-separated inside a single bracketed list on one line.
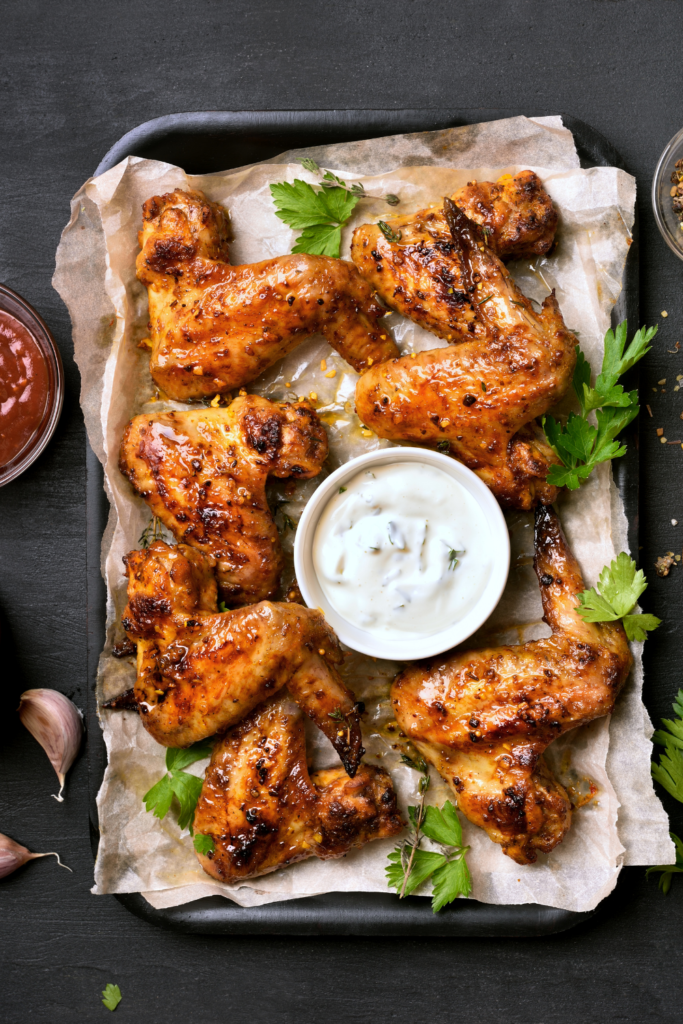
[(206, 141)]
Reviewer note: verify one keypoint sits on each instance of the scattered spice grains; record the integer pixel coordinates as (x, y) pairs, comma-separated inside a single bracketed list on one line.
[(664, 563), (676, 191)]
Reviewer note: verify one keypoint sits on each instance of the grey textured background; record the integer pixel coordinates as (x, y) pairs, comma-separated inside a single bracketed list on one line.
[(73, 78)]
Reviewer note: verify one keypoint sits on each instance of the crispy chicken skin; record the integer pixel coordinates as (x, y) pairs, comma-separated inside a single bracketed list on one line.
[(484, 718), (215, 327), (204, 472), (200, 671), (481, 394), (516, 213), (263, 810)]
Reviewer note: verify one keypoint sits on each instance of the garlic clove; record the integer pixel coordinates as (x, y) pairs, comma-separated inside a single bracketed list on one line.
[(57, 724), (13, 856)]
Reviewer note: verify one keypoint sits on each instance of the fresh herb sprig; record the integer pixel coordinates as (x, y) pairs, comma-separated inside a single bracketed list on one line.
[(617, 593), (409, 866), (580, 445), (389, 233), (186, 788), (669, 870), (319, 215), (150, 533), (669, 774), (669, 771), (330, 180)]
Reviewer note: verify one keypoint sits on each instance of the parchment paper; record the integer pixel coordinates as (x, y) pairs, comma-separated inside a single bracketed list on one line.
[(95, 275)]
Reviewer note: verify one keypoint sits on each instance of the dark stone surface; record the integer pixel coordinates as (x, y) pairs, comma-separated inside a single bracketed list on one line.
[(74, 78)]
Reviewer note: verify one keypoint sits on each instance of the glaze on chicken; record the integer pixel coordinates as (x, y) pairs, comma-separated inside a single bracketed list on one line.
[(484, 718), (204, 472), (215, 327), (477, 398), (516, 216), (200, 671), (263, 810)]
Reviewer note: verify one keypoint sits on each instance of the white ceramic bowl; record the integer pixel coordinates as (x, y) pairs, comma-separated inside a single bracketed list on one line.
[(411, 649)]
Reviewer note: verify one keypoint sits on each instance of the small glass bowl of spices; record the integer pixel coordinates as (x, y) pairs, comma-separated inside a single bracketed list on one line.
[(31, 385), (667, 194)]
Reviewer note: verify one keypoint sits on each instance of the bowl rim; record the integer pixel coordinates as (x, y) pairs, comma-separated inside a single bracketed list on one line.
[(412, 649), (664, 229), (15, 305)]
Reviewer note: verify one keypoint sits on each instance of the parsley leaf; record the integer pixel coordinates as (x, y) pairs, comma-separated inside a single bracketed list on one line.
[(203, 844), (111, 996), (669, 771), (617, 593), (180, 757), (319, 215), (669, 870), (579, 445), (186, 788), (159, 798), (409, 866), (450, 881), (299, 205), (443, 825), (674, 735), (424, 865), (621, 584), (615, 361), (319, 240)]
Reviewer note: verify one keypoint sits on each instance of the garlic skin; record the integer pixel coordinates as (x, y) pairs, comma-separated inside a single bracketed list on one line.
[(57, 724), (13, 856)]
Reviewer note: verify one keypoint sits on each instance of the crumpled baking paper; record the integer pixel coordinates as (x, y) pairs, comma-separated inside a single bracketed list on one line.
[(624, 823)]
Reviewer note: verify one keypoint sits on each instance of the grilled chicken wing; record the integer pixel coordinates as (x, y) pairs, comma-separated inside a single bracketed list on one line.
[(478, 397), (215, 327), (203, 473), (516, 215), (484, 718), (200, 671), (263, 810)]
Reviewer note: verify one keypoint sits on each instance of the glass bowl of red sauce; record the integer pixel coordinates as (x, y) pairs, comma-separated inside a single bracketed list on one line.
[(31, 385)]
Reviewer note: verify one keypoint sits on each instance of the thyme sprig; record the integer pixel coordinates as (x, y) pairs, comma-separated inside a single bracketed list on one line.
[(416, 815), (330, 180), (150, 533), (409, 866)]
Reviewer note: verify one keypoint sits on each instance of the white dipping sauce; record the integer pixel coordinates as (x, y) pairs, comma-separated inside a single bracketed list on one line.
[(403, 551)]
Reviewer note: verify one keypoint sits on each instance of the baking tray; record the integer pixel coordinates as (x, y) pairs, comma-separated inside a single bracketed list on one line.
[(206, 141)]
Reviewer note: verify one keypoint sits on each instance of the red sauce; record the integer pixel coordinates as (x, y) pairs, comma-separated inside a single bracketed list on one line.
[(24, 383)]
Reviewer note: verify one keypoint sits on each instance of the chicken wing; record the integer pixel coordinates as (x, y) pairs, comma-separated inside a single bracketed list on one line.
[(484, 718), (215, 327), (477, 398), (516, 215), (203, 473), (263, 810), (200, 671)]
